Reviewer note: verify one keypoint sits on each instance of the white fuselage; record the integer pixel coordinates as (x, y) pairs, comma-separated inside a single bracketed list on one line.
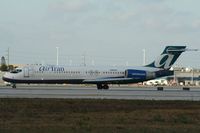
[(65, 74)]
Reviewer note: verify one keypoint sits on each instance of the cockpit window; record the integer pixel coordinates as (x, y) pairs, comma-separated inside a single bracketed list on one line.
[(16, 71)]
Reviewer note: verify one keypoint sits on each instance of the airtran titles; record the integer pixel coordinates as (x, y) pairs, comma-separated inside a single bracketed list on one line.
[(52, 68)]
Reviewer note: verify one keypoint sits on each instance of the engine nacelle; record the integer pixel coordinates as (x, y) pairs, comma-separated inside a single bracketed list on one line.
[(136, 74), (139, 74), (146, 75)]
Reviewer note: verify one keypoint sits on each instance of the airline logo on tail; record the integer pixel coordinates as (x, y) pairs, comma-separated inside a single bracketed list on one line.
[(164, 61), (168, 57)]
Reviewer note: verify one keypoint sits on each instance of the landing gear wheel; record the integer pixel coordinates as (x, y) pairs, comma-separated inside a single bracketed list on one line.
[(13, 85), (106, 87), (100, 86)]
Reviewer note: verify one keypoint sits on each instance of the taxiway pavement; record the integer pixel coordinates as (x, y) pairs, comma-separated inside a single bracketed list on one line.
[(150, 93)]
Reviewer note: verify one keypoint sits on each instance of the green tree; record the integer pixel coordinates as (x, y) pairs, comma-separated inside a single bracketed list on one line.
[(11, 67), (4, 67)]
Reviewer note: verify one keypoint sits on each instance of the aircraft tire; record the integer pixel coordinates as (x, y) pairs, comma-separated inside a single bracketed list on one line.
[(106, 87), (14, 86), (99, 86)]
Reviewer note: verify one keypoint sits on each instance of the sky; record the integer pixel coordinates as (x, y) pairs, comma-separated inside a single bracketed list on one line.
[(104, 32)]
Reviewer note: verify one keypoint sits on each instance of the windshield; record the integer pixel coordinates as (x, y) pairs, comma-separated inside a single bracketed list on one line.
[(16, 71)]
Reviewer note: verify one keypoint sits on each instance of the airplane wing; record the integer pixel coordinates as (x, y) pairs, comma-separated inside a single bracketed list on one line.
[(106, 80)]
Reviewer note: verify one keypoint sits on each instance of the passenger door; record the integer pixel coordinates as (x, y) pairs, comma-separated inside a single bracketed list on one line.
[(26, 72)]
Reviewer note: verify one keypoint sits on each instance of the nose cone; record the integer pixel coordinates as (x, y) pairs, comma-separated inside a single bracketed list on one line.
[(6, 77)]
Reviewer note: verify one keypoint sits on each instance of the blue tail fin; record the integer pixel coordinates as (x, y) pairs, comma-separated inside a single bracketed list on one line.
[(168, 57)]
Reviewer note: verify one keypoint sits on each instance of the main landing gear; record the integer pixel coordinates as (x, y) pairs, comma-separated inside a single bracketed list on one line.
[(102, 86)]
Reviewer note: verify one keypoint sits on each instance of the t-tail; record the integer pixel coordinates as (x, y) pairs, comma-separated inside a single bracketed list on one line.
[(168, 57)]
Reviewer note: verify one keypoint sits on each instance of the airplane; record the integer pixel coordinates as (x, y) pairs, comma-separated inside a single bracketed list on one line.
[(101, 76)]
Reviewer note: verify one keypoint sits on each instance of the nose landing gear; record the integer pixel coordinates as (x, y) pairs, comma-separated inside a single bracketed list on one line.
[(14, 86)]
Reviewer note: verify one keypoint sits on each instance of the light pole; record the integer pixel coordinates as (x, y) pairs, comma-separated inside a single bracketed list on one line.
[(144, 57), (8, 54), (192, 77), (57, 49)]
